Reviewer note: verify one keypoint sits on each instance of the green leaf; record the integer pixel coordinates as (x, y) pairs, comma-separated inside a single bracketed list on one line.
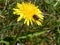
[(4, 42), (48, 1)]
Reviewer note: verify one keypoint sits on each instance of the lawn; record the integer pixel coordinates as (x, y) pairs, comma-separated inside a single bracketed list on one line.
[(13, 32)]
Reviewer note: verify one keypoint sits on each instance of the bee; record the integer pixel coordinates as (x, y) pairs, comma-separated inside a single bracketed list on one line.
[(35, 17)]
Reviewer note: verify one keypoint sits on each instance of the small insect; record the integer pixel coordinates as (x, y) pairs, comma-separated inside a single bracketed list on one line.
[(35, 17)]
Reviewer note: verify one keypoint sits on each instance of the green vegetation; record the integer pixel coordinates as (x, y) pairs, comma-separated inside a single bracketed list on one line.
[(12, 31)]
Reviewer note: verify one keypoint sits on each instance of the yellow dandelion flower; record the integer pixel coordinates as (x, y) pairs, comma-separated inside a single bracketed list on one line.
[(29, 12)]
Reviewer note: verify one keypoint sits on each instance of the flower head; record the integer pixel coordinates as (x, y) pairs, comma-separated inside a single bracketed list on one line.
[(29, 12)]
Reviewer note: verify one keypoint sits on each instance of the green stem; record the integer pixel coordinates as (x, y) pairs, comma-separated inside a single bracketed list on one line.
[(32, 35)]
